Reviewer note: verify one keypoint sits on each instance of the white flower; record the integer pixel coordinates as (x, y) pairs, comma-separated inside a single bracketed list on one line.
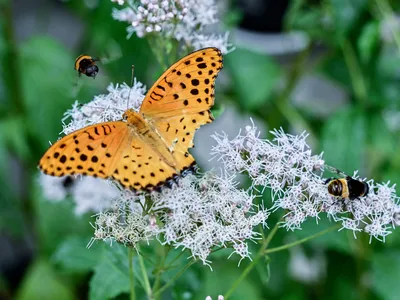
[(120, 2), (183, 21), (105, 108), (287, 167), (54, 188), (89, 194), (93, 194), (219, 41), (220, 297), (198, 214)]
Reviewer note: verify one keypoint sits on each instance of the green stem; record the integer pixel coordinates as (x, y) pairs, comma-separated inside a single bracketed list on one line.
[(356, 76), (147, 286), (11, 63), (157, 51), (387, 12), (131, 275), (283, 101), (177, 275), (175, 259), (287, 246), (259, 254)]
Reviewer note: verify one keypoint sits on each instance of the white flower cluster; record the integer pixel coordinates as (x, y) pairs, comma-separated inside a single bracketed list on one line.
[(88, 193), (198, 214), (181, 20), (105, 108), (287, 167)]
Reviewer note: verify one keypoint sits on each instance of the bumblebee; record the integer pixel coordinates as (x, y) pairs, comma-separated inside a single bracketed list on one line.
[(346, 187), (86, 64)]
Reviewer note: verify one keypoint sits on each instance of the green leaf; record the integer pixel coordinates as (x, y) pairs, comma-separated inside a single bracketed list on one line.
[(335, 68), (386, 273), (346, 14), (14, 135), (382, 144), (41, 282), (111, 275), (254, 76), (56, 221), (217, 110), (334, 240), (74, 256), (344, 140), (368, 41)]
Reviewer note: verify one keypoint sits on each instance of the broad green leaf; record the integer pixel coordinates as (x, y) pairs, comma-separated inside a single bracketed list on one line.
[(254, 77), (111, 275), (344, 140), (368, 41), (74, 256), (346, 14), (41, 282), (385, 274)]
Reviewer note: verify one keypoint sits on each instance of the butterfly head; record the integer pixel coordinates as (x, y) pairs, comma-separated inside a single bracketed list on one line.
[(134, 118)]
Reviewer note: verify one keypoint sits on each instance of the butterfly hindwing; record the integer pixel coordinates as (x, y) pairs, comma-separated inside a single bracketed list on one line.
[(140, 167)]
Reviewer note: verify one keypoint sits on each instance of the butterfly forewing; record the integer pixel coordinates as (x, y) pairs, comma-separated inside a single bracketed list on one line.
[(186, 87), (93, 150)]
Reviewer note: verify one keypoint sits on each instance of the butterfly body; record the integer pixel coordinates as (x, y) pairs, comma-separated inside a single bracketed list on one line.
[(146, 149)]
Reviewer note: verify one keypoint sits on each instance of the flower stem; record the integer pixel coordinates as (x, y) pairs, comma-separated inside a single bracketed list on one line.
[(177, 275), (357, 79), (259, 254), (11, 61), (131, 275), (147, 287), (161, 267), (287, 246), (158, 52)]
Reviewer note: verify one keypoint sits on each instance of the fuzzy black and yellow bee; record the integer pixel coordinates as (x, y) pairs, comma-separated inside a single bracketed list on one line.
[(347, 187), (86, 64)]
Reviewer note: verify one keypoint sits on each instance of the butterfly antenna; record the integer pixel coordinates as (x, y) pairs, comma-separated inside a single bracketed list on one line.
[(132, 79)]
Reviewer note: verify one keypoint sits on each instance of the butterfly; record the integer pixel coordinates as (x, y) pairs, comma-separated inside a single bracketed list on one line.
[(146, 149)]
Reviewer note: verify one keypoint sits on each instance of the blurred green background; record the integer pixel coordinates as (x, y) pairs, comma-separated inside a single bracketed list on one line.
[(329, 67)]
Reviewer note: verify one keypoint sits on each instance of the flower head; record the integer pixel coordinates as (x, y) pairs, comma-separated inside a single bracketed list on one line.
[(199, 214), (287, 167), (183, 21)]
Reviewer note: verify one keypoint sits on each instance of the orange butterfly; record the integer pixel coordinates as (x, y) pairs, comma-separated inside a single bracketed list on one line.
[(145, 150)]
